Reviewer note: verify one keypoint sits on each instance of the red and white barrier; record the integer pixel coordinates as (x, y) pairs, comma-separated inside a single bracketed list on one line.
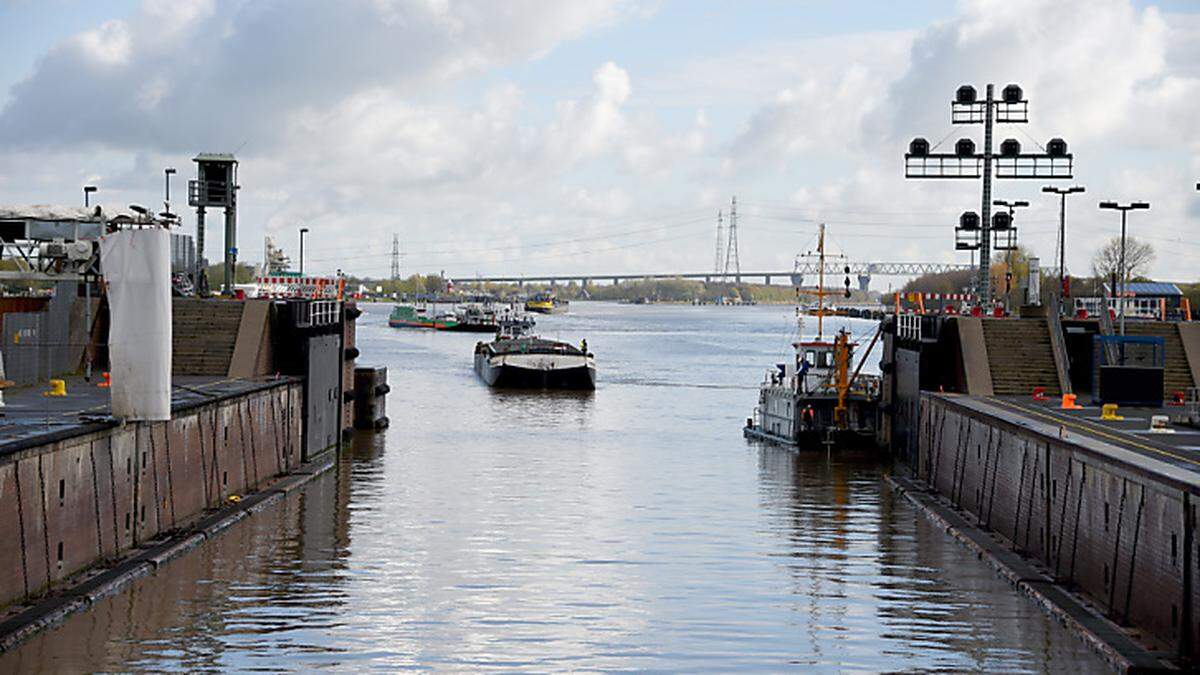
[(311, 288)]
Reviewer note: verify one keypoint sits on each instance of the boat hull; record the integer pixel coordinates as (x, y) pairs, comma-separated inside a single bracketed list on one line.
[(547, 307), (470, 328), (808, 421), (399, 323), (817, 439), (515, 373)]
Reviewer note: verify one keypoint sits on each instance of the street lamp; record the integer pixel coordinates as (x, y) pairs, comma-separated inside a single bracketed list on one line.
[(167, 174), (303, 231), (1003, 227), (1123, 208), (87, 192), (1063, 292)]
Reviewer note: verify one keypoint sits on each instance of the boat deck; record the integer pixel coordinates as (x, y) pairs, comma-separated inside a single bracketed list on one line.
[(29, 419), (533, 346)]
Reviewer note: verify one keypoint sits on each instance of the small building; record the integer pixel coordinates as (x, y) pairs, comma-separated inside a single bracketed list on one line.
[(1159, 300), (1153, 289)]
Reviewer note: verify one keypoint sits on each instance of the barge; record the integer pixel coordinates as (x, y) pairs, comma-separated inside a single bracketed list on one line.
[(522, 361)]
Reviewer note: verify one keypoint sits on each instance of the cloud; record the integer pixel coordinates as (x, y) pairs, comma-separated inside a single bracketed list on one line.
[(178, 75), (435, 119), (1118, 82)]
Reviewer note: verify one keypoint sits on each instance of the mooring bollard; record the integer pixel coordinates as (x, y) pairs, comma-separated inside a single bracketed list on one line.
[(58, 389), (1068, 403)]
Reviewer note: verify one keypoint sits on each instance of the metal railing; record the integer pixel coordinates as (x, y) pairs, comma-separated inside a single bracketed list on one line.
[(908, 326)]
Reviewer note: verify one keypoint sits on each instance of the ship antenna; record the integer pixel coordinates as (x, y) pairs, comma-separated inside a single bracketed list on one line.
[(821, 284)]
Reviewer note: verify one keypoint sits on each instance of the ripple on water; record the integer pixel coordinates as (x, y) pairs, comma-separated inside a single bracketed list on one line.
[(629, 528)]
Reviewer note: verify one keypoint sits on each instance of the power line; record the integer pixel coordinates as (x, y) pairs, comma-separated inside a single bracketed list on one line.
[(720, 240), (518, 247)]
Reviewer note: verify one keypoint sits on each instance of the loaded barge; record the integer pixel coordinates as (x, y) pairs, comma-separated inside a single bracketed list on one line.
[(522, 361)]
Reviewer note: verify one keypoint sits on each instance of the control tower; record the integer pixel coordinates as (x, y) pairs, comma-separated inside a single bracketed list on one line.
[(215, 185)]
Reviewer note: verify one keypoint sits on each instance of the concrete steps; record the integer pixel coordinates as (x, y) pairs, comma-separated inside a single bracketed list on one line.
[(203, 334), (1020, 356), (1178, 375)]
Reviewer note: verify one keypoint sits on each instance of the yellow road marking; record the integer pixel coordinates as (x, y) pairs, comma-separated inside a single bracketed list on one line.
[(1092, 429)]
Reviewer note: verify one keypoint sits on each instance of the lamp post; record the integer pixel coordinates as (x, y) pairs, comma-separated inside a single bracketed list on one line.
[(87, 193), (303, 231), (167, 175), (1008, 246), (1062, 233), (1123, 208)]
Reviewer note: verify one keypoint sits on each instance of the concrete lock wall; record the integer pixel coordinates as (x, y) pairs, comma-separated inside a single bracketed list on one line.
[(1104, 527), (69, 505)]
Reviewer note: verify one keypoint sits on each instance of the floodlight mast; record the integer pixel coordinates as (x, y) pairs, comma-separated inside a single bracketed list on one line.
[(964, 162)]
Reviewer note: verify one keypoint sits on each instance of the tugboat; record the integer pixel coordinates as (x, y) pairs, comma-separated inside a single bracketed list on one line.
[(546, 303), (412, 316), (815, 400), (516, 359)]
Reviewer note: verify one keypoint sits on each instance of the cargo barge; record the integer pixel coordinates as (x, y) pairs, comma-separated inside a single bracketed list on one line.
[(517, 360)]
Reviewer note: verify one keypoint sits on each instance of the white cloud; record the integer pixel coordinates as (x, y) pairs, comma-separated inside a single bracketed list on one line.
[(370, 117)]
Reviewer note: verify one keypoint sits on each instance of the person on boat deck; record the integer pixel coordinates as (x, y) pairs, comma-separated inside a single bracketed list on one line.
[(803, 374), (583, 346)]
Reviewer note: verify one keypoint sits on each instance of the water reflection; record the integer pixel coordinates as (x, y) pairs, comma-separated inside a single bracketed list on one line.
[(877, 586), (629, 528)]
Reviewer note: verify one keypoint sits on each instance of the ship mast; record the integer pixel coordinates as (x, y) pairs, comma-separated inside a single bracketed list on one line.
[(821, 284)]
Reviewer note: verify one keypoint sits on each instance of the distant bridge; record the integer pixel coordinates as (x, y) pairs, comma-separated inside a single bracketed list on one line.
[(863, 271)]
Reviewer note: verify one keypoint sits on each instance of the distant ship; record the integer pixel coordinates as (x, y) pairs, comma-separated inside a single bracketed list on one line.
[(517, 360), (473, 318), (815, 399), (413, 316), (546, 303)]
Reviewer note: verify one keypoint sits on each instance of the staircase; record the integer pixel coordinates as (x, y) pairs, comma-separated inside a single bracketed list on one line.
[(203, 333), (1020, 356), (1178, 375)]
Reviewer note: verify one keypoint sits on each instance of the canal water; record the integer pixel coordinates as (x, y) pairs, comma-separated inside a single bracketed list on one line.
[(630, 528)]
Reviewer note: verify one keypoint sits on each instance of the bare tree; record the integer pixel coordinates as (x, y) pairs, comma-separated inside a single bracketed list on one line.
[(1139, 255)]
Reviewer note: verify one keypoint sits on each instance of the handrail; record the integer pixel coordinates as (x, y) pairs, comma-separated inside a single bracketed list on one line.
[(1058, 345)]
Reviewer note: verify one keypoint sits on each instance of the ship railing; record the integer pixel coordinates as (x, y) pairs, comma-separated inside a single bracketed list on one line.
[(908, 326), (296, 287), (317, 313)]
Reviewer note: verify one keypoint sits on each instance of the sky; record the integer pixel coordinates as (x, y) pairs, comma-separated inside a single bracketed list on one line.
[(602, 136)]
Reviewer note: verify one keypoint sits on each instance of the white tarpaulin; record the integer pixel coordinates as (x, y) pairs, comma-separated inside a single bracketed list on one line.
[(137, 272)]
